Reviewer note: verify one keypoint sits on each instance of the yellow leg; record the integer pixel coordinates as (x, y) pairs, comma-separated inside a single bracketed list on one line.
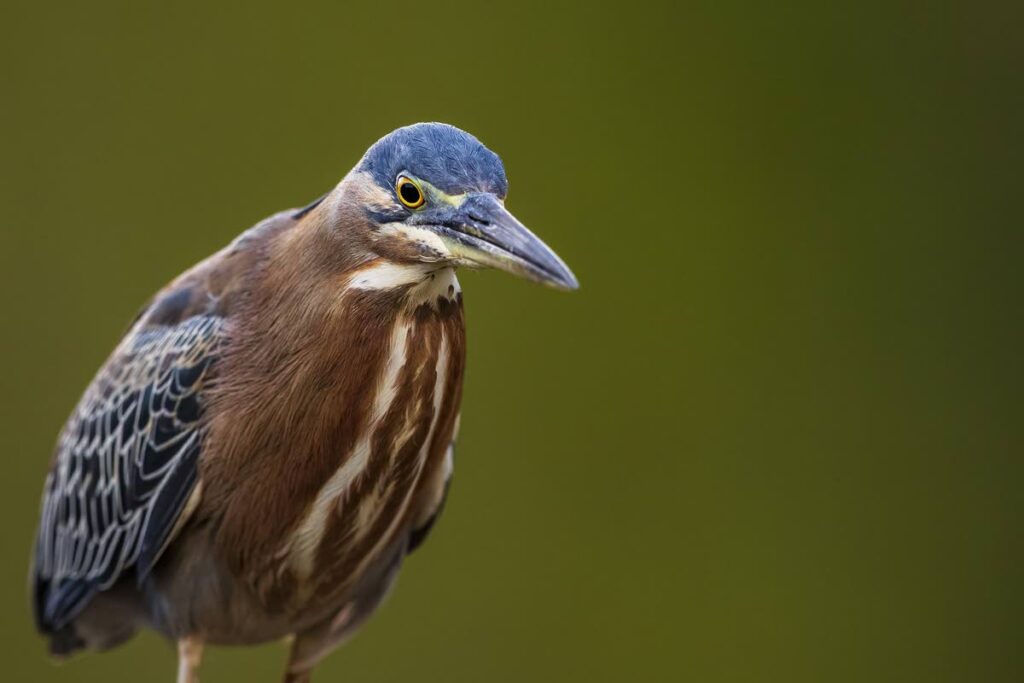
[(190, 652), (297, 670)]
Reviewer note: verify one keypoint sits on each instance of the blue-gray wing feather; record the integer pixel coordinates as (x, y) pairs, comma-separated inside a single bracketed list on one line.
[(125, 466)]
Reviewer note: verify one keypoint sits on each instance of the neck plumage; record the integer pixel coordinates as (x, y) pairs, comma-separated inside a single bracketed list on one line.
[(351, 378)]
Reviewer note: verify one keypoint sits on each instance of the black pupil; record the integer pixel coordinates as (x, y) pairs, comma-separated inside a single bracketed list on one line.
[(409, 193)]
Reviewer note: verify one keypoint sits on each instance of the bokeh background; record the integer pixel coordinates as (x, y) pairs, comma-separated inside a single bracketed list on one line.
[(777, 436)]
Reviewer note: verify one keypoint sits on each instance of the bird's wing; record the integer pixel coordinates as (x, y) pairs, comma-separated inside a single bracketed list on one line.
[(125, 464)]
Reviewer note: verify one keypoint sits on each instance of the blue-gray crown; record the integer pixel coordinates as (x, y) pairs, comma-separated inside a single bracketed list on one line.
[(448, 158)]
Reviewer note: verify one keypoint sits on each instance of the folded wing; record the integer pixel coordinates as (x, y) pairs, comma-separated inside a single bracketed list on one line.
[(125, 465)]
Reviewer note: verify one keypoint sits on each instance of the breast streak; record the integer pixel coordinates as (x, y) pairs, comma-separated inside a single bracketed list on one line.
[(374, 495)]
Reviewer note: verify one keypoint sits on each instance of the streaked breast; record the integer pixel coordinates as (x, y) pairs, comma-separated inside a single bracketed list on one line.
[(402, 445)]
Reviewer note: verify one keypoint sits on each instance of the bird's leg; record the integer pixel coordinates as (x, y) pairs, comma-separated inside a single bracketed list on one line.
[(297, 676), (312, 645), (300, 667), (190, 652)]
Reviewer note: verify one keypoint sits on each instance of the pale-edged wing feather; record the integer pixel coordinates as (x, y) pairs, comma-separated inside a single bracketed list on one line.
[(125, 466)]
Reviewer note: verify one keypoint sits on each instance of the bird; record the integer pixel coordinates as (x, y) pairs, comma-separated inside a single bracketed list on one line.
[(275, 431)]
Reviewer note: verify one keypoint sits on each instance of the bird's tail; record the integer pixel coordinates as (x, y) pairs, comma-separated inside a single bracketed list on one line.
[(65, 641), (62, 640)]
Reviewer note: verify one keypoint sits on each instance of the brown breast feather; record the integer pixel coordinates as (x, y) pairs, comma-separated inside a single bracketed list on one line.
[(298, 383)]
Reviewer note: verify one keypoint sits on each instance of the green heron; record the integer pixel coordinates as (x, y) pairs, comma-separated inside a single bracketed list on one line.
[(274, 434)]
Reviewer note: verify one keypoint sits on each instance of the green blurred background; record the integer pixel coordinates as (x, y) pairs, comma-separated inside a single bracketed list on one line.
[(777, 436)]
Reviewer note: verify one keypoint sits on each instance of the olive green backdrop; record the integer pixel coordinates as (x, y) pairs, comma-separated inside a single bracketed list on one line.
[(776, 436)]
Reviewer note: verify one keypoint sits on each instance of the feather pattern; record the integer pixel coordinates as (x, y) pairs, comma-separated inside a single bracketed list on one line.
[(274, 434), (125, 465)]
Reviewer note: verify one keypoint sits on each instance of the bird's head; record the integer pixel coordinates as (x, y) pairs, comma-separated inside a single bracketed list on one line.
[(433, 193)]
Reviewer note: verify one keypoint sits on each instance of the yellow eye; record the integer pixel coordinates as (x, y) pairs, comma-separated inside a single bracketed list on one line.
[(409, 192)]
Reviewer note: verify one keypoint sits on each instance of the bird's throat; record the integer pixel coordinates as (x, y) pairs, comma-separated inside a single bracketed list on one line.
[(424, 283)]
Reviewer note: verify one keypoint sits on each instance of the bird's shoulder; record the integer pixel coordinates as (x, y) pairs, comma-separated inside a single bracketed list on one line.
[(126, 463)]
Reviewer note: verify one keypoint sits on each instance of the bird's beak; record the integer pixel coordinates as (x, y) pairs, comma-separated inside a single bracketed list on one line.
[(481, 232)]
